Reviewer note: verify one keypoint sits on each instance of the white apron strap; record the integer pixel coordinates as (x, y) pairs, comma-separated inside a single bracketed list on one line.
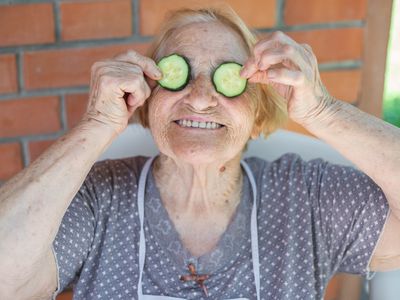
[(142, 240), (254, 229)]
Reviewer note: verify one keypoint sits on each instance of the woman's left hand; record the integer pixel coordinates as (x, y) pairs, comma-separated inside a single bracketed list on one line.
[(292, 70)]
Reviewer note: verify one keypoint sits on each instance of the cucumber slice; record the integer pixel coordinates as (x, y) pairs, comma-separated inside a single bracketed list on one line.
[(227, 81), (176, 72)]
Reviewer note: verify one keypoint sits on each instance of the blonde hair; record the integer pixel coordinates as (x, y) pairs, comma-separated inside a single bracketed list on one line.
[(270, 107)]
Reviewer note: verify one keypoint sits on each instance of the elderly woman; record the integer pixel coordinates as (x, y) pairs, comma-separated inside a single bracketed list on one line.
[(195, 221)]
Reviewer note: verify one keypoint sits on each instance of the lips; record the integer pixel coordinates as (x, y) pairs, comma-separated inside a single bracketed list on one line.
[(198, 124)]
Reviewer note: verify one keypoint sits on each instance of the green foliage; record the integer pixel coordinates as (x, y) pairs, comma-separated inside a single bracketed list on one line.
[(391, 99), (391, 110)]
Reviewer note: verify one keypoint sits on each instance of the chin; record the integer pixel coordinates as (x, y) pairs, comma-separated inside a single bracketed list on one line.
[(197, 147)]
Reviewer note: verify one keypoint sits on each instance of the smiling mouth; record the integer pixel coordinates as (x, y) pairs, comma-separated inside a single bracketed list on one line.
[(197, 124)]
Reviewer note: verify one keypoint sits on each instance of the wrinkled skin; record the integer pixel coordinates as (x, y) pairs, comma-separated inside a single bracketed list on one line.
[(198, 172), (200, 100)]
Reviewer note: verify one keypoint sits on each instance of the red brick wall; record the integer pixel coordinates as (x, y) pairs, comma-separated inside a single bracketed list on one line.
[(47, 48)]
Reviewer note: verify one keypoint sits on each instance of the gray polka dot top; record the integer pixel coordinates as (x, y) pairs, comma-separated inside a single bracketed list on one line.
[(314, 219)]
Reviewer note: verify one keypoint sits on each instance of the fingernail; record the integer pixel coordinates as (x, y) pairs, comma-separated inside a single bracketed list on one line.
[(271, 74), (157, 74)]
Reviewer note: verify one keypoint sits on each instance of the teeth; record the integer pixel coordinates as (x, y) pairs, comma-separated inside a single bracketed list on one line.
[(196, 124)]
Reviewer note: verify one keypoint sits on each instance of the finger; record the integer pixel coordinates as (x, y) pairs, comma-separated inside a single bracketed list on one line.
[(286, 76), (260, 77), (249, 68), (262, 45), (287, 55), (151, 83), (274, 41), (148, 66), (138, 88)]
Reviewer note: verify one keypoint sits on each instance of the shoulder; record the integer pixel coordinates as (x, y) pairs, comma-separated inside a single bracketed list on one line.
[(104, 171), (289, 164)]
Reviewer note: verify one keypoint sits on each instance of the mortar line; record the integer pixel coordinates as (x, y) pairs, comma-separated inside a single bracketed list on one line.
[(344, 65), (315, 26), (63, 113), (57, 20), (25, 152), (20, 71), (62, 45), (280, 13), (135, 18), (29, 138), (44, 92)]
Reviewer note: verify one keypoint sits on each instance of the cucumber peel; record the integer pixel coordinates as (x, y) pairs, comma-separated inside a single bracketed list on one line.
[(176, 72), (227, 81)]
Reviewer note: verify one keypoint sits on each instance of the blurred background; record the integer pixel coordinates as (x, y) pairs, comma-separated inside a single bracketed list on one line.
[(47, 48), (391, 99)]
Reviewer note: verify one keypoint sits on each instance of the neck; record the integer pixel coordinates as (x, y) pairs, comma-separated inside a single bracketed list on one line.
[(198, 189)]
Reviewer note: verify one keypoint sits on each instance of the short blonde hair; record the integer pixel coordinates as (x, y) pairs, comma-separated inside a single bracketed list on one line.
[(271, 110)]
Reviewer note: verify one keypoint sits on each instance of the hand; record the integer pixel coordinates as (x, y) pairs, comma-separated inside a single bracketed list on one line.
[(118, 87), (292, 70)]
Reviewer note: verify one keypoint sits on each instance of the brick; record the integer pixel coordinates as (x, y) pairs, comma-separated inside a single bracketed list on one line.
[(10, 160), (29, 116), (38, 147), (317, 11), (24, 24), (260, 14), (332, 44), (95, 19), (8, 73), (67, 67), (76, 106), (344, 84)]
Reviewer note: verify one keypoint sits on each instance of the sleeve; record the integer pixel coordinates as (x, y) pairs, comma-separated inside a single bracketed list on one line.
[(351, 212), (74, 238)]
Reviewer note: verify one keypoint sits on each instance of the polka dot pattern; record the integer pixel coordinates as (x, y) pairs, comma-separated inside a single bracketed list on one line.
[(314, 219)]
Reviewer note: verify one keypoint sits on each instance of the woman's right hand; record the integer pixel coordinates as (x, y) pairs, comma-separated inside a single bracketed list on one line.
[(118, 87)]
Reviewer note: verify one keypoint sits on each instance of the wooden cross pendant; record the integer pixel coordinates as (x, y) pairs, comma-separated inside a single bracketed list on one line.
[(199, 279)]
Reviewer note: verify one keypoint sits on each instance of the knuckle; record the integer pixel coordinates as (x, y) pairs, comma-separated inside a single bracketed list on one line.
[(288, 49), (147, 91), (307, 47), (95, 66), (299, 78), (277, 35), (259, 46), (132, 53), (106, 81)]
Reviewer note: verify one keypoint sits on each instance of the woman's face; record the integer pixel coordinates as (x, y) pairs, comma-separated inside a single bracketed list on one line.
[(206, 45)]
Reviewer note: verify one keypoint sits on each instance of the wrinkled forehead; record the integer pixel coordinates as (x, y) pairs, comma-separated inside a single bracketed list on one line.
[(206, 44)]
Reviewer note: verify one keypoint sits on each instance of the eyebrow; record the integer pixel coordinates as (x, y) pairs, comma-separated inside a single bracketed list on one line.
[(221, 61), (214, 64)]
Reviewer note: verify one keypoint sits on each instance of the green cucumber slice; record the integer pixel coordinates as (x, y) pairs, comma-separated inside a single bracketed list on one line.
[(176, 72), (227, 81)]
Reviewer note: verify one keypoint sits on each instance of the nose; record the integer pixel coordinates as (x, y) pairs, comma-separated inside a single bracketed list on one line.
[(202, 96)]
